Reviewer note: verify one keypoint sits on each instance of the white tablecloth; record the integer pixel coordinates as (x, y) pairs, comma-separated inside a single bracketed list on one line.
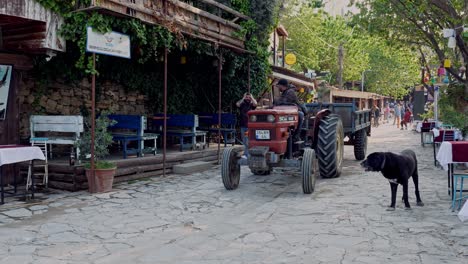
[(444, 155), (418, 126), (14, 154)]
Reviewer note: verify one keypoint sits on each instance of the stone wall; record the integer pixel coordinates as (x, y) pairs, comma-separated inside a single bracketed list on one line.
[(60, 98)]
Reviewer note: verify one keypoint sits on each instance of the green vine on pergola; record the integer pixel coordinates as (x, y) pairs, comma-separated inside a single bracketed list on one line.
[(192, 87)]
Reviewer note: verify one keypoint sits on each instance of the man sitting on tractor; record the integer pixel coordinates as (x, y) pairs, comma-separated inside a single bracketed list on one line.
[(289, 97)]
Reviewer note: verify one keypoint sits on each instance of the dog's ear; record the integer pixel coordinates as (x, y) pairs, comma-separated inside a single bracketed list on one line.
[(383, 161)]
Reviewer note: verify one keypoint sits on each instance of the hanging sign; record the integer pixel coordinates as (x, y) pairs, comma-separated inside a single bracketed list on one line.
[(452, 43), (448, 32), (111, 43), (290, 59), (447, 63)]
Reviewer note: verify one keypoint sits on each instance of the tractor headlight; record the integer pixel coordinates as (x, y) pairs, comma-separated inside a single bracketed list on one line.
[(253, 118), (271, 118)]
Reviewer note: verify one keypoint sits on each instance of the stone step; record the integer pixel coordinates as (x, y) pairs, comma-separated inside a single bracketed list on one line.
[(191, 167)]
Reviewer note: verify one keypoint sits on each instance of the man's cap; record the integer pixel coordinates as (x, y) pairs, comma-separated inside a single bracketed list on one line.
[(283, 82)]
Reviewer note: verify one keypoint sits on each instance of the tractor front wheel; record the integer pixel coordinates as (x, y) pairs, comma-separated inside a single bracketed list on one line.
[(230, 168), (309, 170)]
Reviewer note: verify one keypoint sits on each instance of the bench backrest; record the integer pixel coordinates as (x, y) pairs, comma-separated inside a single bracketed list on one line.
[(227, 119), (176, 120), (50, 123), (129, 122)]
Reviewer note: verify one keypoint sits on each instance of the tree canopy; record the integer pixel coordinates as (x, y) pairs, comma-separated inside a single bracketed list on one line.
[(419, 24), (315, 38)]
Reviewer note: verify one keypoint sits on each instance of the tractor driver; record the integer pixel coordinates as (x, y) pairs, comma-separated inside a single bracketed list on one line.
[(289, 97)]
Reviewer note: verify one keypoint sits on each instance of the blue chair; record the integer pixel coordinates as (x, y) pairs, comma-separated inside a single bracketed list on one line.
[(457, 195)]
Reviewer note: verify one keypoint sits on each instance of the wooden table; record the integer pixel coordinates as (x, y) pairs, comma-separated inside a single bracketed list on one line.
[(11, 154), (451, 153)]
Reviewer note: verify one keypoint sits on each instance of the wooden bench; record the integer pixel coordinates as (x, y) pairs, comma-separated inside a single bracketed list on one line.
[(58, 130), (131, 128), (209, 123), (183, 127)]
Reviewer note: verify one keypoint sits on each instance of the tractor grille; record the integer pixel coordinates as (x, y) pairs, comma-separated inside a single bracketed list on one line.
[(262, 118)]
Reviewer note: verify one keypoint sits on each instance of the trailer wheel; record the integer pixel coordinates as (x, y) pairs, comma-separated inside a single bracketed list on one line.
[(230, 169), (360, 144), (330, 146), (309, 170)]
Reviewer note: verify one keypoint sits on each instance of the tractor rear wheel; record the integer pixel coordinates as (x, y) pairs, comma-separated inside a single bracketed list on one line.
[(309, 170), (330, 146), (360, 144), (230, 169)]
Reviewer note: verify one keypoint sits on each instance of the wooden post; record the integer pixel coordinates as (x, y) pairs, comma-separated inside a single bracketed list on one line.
[(165, 113), (248, 77), (93, 113), (220, 62), (284, 50), (340, 65), (274, 49)]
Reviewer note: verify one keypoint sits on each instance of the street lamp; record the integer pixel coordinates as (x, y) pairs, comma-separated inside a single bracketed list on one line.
[(362, 80)]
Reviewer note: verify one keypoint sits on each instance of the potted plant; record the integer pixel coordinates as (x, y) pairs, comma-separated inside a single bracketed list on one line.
[(103, 177)]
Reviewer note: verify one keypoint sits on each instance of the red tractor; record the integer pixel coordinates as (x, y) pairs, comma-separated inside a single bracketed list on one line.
[(270, 133)]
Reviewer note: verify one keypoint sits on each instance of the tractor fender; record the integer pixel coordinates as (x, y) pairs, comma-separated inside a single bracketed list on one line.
[(318, 117)]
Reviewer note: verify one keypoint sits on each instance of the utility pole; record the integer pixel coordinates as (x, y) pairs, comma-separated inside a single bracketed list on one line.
[(340, 63)]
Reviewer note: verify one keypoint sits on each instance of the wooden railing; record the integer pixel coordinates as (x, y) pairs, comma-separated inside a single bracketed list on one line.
[(204, 19)]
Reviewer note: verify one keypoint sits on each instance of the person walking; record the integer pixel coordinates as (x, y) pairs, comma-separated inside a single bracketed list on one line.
[(386, 113), (397, 115), (245, 104), (406, 119), (376, 115)]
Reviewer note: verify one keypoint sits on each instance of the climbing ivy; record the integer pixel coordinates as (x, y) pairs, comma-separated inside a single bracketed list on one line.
[(192, 86)]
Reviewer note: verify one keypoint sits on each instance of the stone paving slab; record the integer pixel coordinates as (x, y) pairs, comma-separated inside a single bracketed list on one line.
[(193, 219)]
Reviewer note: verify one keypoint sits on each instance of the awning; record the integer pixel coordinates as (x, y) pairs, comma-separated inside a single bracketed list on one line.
[(29, 27), (292, 79), (354, 94)]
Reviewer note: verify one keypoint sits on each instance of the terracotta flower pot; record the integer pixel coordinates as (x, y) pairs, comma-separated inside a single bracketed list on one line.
[(102, 180)]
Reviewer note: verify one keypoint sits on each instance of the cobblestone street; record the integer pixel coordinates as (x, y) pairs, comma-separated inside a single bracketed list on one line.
[(193, 219)]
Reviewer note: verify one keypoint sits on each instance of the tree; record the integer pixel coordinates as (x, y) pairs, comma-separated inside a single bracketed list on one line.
[(315, 38), (419, 23)]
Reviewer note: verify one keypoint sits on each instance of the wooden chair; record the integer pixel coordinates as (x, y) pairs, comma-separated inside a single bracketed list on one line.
[(426, 129), (42, 144)]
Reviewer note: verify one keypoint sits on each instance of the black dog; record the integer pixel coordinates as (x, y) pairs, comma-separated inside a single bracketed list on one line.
[(397, 169)]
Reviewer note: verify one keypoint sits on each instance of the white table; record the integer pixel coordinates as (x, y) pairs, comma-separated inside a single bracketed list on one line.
[(450, 153), (10, 154)]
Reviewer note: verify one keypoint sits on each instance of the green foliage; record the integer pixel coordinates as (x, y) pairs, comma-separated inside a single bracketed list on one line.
[(419, 24), (428, 115), (265, 15), (242, 6), (316, 37), (452, 107), (191, 87), (102, 138), (100, 165)]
